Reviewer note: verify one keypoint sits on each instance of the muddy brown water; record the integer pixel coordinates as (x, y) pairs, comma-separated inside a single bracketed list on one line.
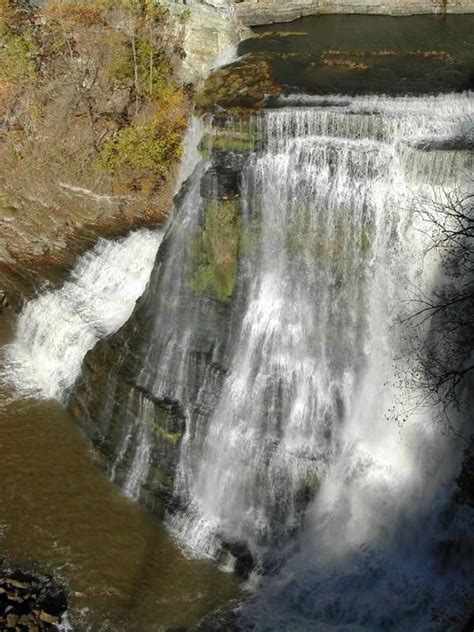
[(60, 514)]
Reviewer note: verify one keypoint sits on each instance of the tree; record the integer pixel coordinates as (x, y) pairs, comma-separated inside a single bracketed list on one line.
[(143, 23), (442, 373)]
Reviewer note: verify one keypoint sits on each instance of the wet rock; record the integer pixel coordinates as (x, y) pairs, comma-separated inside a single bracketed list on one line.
[(48, 618), (220, 183), (11, 620), (30, 602), (244, 561), (117, 400), (4, 303)]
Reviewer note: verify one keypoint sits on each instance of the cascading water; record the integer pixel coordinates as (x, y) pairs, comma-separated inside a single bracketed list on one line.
[(310, 382), (56, 329), (305, 417), (279, 368)]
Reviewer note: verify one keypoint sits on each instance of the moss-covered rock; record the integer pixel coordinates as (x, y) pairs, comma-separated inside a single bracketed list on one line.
[(243, 87), (215, 249), (229, 140)]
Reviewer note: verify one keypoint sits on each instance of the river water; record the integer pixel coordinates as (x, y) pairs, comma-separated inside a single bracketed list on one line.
[(58, 512)]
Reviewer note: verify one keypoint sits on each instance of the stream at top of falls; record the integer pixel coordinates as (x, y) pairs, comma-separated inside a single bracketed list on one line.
[(291, 450)]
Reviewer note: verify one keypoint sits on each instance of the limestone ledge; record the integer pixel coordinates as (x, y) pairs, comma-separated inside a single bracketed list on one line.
[(210, 30), (255, 12)]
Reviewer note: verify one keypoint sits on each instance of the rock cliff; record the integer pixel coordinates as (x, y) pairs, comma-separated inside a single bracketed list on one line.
[(87, 94), (254, 12)]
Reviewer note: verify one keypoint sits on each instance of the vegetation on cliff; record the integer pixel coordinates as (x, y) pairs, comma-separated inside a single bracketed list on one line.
[(215, 249), (92, 115), (99, 71), (245, 86)]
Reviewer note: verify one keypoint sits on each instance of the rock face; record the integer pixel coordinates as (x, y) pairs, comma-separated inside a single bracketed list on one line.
[(138, 430), (30, 602), (254, 12), (210, 29), (136, 435)]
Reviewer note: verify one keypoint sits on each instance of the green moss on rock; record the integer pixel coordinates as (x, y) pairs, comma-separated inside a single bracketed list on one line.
[(244, 86), (228, 142), (215, 249), (163, 427)]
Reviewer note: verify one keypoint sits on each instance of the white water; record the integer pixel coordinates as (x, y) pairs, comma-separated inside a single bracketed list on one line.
[(307, 409), (140, 466), (56, 329), (191, 156)]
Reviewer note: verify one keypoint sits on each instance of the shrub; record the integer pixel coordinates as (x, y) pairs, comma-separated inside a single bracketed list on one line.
[(17, 56), (141, 151)]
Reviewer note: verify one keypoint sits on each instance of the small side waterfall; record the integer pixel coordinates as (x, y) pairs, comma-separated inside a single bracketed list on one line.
[(56, 330)]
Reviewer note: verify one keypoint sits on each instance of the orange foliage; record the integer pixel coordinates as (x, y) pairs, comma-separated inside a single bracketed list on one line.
[(9, 11), (69, 13), (172, 108)]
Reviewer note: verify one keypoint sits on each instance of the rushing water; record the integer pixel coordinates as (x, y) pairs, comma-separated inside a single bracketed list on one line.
[(56, 329), (290, 390), (345, 183), (310, 384)]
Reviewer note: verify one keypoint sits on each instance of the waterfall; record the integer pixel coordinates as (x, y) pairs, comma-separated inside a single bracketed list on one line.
[(303, 414), (56, 329), (267, 336), (302, 436)]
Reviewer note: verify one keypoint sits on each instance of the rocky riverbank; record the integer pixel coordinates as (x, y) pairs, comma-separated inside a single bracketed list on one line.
[(30, 603)]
